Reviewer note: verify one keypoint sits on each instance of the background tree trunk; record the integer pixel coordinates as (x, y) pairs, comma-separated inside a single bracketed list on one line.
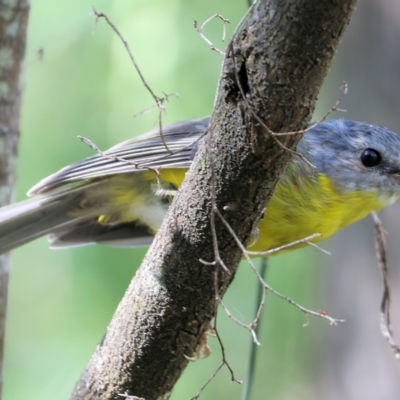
[(13, 28)]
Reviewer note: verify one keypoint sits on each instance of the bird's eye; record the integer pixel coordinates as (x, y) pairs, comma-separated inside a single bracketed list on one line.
[(370, 157)]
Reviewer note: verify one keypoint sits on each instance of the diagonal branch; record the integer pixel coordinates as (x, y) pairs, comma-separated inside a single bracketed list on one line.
[(278, 58)]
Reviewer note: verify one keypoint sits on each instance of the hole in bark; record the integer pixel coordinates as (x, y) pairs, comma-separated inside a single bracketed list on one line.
[(243, 79)]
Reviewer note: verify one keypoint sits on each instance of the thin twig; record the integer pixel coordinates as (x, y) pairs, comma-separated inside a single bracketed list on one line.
[(217, 257), (138, 165), (166, 98), (334, 108), (249, 327), (158, 100), (200, 31), (224, 361), (213, 375), (305, 240), (306, 311), (114, 157), (222, 347), (380, 243)]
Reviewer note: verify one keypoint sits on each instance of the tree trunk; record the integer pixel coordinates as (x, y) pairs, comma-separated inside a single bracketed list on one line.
[(13, 27)]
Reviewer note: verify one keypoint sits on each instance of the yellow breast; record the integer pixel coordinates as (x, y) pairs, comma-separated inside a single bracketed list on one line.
[(302, 207)]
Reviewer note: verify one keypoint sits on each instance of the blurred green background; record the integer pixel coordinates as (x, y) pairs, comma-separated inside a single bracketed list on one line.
[(61, 301)]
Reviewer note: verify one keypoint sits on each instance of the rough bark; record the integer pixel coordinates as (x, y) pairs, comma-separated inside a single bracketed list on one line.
[(273, 69), (13, 27)]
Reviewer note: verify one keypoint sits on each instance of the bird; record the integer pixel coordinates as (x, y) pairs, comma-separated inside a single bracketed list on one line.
[(119, 197)]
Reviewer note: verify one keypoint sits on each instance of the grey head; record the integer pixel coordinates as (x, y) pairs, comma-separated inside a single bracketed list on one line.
[(356, 155)]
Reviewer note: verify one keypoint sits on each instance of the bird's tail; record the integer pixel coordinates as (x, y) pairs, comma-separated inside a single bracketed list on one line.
[(25, 221), (71, 217)]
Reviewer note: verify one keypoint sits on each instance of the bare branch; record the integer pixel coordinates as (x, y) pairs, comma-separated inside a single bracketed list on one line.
[(146, 110), (158, 100), (249, 327), (306, 240), (200, 31), (209, 380), (380, 243)]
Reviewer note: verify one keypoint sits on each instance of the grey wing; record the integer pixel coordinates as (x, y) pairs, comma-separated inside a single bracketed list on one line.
[(142, 152)]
